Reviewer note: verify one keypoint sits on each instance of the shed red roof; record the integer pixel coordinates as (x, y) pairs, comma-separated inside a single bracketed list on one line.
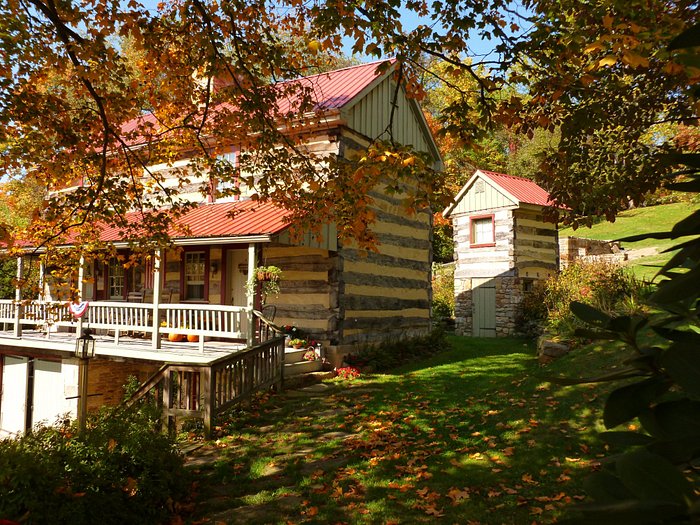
[(220, 219), (524, 190)]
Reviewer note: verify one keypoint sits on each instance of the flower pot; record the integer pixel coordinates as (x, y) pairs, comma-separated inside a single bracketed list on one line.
[(175, 338), (193, 338)]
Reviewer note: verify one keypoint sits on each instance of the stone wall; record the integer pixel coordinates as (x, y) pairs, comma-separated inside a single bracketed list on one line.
[(572, 249), (509, 296)]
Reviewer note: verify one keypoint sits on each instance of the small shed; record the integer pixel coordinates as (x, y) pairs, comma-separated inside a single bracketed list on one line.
[(503, 245)]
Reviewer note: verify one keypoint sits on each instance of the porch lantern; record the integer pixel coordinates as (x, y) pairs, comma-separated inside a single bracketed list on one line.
[(85, 345), (84, 350)]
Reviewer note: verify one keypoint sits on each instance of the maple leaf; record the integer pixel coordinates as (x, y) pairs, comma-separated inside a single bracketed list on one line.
[(432, 511), (527, 478), (457, 495)]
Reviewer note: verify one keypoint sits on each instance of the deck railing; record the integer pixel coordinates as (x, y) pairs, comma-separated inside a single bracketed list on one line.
[(205, 391), (203, 320)]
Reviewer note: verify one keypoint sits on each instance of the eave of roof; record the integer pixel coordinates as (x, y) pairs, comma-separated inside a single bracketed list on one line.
[(517, 189), (213, 223)]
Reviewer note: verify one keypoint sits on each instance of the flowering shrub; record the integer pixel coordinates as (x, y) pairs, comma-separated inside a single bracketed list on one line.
[(347, 372), (605, 286)]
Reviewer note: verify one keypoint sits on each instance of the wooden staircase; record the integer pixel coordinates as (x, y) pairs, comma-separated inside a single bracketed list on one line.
[(296, 365)]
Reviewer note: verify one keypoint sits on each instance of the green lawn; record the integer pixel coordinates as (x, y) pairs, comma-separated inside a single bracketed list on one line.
[(474, 435), (635, 222)]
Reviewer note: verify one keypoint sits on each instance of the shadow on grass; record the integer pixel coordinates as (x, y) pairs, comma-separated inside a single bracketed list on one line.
[(473, 433)]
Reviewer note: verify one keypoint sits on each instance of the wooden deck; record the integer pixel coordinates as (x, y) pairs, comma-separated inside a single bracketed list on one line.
[(130, 330), (128, 347)]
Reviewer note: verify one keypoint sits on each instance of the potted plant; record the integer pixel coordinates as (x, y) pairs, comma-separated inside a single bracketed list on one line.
[(297, 343), (268, 277)]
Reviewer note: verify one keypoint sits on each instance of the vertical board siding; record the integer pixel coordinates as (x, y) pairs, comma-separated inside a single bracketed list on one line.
[(370, 116), (476, 201)]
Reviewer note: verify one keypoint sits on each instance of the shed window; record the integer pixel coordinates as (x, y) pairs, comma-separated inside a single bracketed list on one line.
[(482, 231), (195, 263)]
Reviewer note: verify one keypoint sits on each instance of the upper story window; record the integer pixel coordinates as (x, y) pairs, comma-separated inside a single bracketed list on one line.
[(227, 164), (194, 274), (482, 231)]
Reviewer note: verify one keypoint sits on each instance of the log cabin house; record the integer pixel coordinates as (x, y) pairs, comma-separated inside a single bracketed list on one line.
[(335, 293), (503, 246)]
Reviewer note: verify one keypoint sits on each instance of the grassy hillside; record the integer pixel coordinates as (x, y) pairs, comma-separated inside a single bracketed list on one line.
[(633, 222)]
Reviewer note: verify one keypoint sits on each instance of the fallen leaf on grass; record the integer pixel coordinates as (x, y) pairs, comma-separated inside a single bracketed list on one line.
[(457, 495)]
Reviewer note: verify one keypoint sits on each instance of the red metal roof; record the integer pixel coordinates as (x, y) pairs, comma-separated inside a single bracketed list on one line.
[(334, 89), (329, 91), (525, 190), (220, 219)]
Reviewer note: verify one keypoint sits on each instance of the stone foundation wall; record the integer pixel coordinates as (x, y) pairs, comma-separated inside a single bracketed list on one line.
[(463, 307), (509, 296)]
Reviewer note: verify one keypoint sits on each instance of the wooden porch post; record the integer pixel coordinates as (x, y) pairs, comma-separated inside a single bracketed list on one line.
[(42, 280), (155, 341), (208, 391), (250, 294), (18, 298), (81, 288)]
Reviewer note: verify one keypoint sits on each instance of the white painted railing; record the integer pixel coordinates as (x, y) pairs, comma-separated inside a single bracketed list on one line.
[(203, 320)]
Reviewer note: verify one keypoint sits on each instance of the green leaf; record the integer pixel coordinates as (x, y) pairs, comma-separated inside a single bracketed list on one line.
[(627, 402), (589, 333), (650, 477), (605, 487), (682, 362), (631, 512), (688, 38), (673, 419), (589, 314), (626, 439), (680, 287), (689, 159), (677, 451)]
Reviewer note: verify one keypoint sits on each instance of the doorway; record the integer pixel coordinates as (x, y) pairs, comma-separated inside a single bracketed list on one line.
[(483, 307)]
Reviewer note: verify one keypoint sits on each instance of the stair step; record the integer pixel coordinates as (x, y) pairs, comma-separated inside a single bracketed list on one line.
[(292, 355), (302, 367)]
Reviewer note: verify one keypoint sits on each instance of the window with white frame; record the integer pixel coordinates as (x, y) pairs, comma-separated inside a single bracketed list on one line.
[(115, 279), (482, 231), (195, 267), (227, 163)]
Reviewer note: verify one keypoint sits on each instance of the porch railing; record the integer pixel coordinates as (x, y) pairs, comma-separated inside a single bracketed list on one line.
[(205, 391), (203, 320)]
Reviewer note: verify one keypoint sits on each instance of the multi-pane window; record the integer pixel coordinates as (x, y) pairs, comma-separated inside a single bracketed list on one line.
[(195, 266), (482, 231), (115, 278), (227, 165)]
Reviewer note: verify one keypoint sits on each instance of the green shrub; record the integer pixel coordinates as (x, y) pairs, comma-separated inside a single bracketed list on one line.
[(443, 292), (605, 286), (119, 470), (391, 354)]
